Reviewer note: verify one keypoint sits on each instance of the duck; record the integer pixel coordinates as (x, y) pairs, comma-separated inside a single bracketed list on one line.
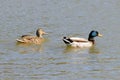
[(33, 39), (82, 42)]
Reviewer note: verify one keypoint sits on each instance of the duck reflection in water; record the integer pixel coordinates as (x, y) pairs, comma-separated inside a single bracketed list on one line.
[(91, 50), (94, 50), (29, 48)]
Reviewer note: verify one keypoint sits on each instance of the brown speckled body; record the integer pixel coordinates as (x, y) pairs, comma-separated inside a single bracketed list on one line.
[(38, 39)]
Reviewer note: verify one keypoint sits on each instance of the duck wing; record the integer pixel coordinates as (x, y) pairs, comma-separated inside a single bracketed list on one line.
[(77, 39), (25, 38)]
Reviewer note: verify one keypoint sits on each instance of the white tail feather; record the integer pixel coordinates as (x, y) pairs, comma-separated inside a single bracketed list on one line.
[(19, 40)]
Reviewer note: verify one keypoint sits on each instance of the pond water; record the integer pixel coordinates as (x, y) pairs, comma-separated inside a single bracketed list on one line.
[(52, 60)]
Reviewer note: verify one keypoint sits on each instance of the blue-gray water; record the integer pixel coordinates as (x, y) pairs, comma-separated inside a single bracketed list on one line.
[(52, 60)]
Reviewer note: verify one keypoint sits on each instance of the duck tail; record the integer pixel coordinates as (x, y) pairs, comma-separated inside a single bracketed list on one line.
[(67, 40), (19, 40)]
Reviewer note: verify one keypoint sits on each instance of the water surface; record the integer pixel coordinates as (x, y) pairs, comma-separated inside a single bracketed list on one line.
[(52, 60)]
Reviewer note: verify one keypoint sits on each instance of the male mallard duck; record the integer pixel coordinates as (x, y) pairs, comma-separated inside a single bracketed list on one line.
[(33, 39), (81, 42)]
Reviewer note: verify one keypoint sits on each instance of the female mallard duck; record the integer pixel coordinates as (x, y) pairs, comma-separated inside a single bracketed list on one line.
[(81, 42), (33, 39)]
